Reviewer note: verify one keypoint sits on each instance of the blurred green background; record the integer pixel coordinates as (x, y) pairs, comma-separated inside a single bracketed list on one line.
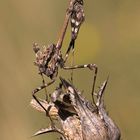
[(110, 37)]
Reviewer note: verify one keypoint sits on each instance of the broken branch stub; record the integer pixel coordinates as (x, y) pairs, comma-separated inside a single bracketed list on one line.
[(78, 120)]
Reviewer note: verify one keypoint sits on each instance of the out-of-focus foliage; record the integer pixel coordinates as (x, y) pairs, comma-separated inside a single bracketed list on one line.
[(110, 37)]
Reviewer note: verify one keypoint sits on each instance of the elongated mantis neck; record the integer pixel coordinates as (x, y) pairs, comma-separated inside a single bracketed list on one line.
[(65, 25)]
